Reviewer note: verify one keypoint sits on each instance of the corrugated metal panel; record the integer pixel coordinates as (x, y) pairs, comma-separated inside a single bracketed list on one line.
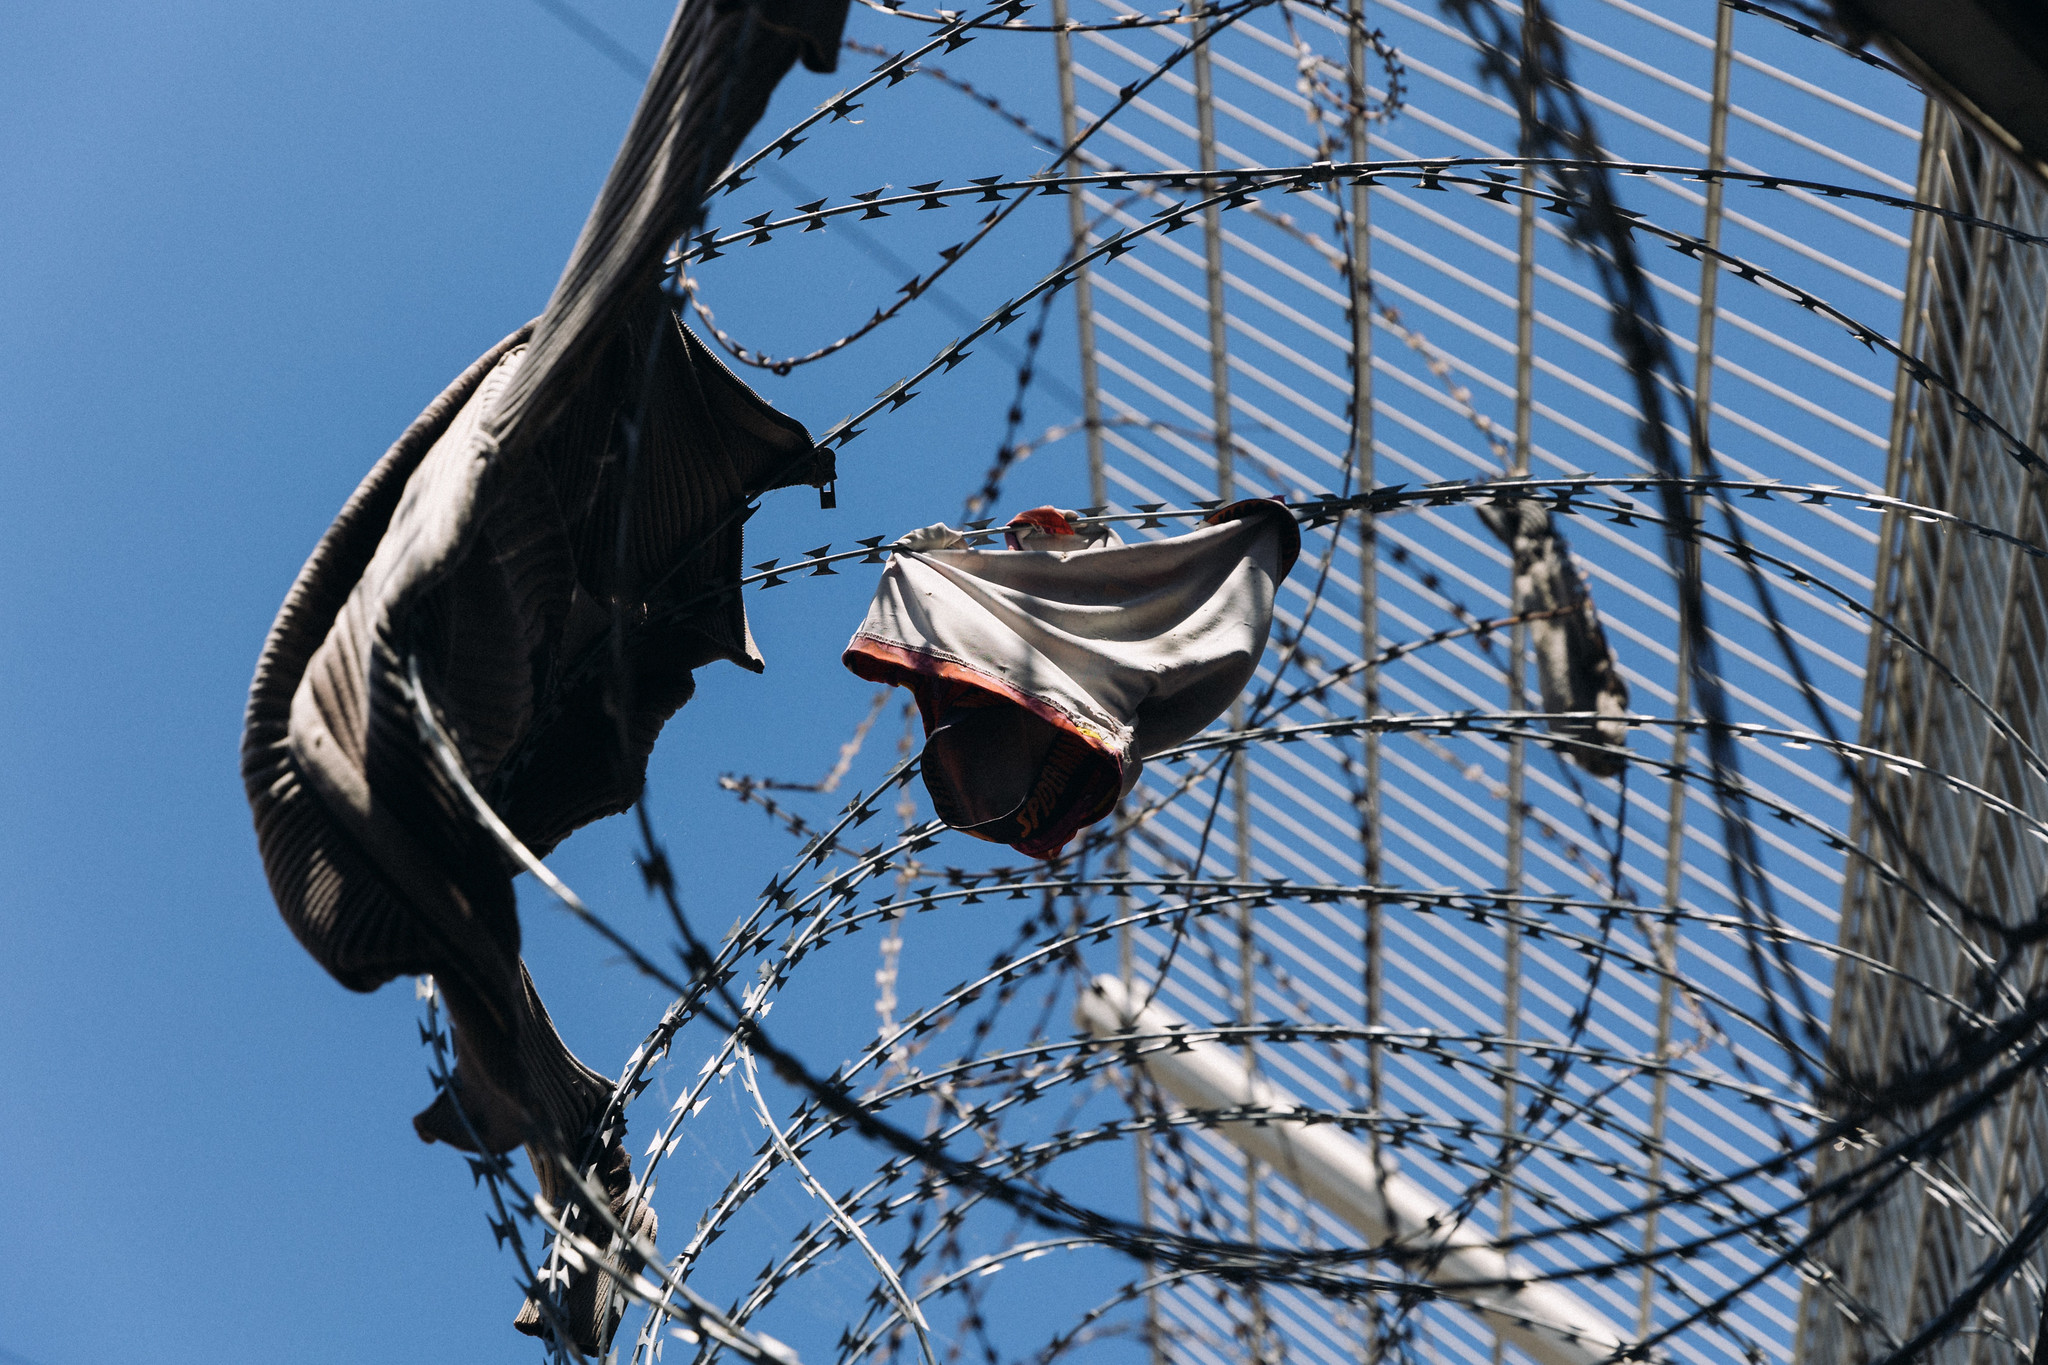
[(1981, 608)]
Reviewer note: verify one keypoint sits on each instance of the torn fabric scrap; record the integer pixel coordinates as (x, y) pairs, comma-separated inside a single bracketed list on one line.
[(1047, 672), (1575, 666)]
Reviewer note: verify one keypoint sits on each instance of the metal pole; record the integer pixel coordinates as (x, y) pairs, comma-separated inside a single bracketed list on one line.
[(1518, 651), (1359, 478), (1098, 496), (1345, 1177), (1212, 250), (1674, 816), (1226, 490), (1084, 297)]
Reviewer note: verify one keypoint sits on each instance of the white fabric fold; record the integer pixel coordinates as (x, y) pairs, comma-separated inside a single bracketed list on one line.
[(1128, 648)]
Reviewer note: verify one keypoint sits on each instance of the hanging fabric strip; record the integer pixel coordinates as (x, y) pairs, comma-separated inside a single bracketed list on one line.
[(556, 542)]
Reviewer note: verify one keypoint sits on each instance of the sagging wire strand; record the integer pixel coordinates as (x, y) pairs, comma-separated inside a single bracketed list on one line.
[(1418, 1040), (1449, 724), (1326, 110), (1528, 62), (1999, 1017), (911, 1313), (1484, 177), (1555, 117), (897, 68), (1431, 174)]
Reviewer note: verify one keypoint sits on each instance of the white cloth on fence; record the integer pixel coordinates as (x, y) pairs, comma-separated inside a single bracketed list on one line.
[(1045, 676)]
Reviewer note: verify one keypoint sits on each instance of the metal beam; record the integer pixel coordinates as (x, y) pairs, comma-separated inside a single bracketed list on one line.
[(1358, 1187)]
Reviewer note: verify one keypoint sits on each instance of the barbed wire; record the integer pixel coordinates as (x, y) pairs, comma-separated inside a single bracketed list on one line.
[(962, 1117), (1568, 496)]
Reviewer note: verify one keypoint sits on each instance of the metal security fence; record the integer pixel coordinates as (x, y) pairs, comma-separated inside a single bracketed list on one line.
[(1950, 945), (1552, 1067)]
